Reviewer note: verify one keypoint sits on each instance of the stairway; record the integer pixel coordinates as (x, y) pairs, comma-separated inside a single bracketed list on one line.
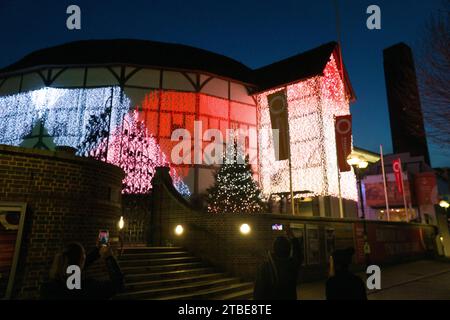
[(172, 273)]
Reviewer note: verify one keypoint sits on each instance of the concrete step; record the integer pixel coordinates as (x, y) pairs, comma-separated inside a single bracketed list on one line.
[(245, 294), (210, 293), (147, 276), (156, 262), (190, 288), (162, 268), (156, 284), (131, 250), (153, 255)]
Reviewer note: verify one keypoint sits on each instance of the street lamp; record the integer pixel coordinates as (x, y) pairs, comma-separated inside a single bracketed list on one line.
[(359, 164), (444, 204)]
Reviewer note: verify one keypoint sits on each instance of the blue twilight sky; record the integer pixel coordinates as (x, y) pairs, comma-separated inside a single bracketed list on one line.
[(255, 32)]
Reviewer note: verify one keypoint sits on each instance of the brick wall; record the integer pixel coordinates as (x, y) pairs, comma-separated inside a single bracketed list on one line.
[(68, 199), (216, 237)]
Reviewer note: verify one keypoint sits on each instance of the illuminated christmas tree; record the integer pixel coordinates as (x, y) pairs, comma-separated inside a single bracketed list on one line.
[(235, 191)]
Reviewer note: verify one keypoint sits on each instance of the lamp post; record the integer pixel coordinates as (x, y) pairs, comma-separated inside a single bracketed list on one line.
[(359, 164), (444, 204), (120, 225)]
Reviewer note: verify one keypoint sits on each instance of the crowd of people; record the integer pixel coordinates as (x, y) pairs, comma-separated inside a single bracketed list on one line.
[(276, 278)]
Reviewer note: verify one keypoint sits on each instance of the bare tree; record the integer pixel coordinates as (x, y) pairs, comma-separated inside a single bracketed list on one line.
[(434, 76)]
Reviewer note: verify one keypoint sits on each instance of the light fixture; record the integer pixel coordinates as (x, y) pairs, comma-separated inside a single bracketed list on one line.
[(121, 223), (353, 160), (441, 238), (362, 164), (358, 161), (444, 204), (245, 228), (179, 230)]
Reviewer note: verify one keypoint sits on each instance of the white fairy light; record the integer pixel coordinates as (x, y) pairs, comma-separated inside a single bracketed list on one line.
[(312, 104)]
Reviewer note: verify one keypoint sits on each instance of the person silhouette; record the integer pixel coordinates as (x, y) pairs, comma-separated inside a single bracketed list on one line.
[(342, 283)]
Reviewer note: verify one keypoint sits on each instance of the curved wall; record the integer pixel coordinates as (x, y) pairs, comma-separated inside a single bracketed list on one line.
[(68, 199), (67, 97)]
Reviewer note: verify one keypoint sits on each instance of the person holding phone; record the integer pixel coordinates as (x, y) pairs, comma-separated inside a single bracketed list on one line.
[(74, 254), (276, 278)]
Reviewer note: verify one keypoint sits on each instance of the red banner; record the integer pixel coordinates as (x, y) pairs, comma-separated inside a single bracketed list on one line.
[(426, 188), (343, 132), (280, 126), (388, 242), (397, 167)]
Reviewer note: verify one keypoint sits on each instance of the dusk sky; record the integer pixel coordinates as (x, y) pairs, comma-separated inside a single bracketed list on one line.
[(255, 33)]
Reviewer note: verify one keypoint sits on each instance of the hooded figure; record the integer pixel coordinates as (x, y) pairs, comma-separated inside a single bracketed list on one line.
[(343, 284), (276, 278)]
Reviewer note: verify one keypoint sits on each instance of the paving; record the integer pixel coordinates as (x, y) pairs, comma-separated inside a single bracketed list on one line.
[(419, 280)]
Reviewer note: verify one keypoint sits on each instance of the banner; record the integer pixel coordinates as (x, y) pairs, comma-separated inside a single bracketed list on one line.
[(278, 108), (425, 185), (375, 196), (343, 132), (389, 243), (397, 167)]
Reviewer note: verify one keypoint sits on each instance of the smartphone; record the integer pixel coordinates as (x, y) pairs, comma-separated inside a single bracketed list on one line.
[(103, 237)]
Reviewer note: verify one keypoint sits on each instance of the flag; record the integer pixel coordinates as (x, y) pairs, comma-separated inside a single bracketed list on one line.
[(278, 108), (397, 166), (343, 132)]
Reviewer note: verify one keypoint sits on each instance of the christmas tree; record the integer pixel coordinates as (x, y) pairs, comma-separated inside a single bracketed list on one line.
[(235, 191)]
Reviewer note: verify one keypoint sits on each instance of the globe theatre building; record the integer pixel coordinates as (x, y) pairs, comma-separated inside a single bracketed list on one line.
[(121, 100)]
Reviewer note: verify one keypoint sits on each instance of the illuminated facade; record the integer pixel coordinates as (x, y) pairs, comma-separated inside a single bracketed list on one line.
[(313, 103), (145, 93)]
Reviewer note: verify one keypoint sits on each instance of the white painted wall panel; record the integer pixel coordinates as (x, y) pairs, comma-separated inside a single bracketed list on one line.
[(145, 78), (176, 81), (32, 81), (240, 93), (216, 87), (100, 77), (70, 78)]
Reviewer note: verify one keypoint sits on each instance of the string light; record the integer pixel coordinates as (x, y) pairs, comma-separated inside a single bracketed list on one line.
[(312, 105), (136, 151), (234, 190), (66, 114)]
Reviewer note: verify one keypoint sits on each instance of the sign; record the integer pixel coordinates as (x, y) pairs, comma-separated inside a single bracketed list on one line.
[(358, 229), (298, 230), (313, 245), (387, 242), (330, 241), (398, 172), (425, 185), (278, 108), (375, 194), (343, 132), (12, 218)]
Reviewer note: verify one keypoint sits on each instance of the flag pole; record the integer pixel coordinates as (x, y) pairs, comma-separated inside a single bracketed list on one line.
[(341, 206), (290, 161), (403, 189), (290, 181), (341, 71), (384, 183)]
